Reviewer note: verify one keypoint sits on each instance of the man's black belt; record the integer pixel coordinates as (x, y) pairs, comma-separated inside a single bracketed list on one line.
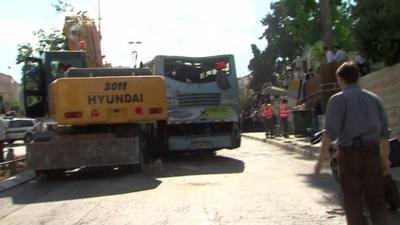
[(359, 144)]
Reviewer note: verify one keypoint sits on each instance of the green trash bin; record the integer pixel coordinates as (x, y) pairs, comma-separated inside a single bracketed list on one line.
[(302, 121)]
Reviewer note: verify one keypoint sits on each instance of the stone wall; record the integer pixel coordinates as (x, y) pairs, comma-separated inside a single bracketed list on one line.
[(386, 84)]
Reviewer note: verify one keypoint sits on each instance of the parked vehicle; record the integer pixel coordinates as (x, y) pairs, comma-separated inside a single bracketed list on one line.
[(20, 129)]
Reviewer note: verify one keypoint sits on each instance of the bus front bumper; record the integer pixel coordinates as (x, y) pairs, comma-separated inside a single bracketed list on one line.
[(190, 143)]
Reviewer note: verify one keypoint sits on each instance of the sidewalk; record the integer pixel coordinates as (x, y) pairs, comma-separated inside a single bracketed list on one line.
[(20, 178), (302, 146)]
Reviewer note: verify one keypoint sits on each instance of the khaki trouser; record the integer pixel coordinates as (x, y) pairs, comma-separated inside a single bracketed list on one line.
[(361, 176), (268, 126), (284, 124)]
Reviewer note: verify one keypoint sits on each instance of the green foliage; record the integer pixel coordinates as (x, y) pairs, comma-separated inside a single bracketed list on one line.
[(245, 96), (262, 68), (47, 41), (377, 31), (63, 6), (342, 23), (317, 53), (290, 27), (50, 41), (282, 41), (24, 50), (302, 19), (14, 106)]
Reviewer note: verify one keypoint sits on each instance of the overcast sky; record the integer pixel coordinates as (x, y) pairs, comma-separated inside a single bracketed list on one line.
[(167, 27)]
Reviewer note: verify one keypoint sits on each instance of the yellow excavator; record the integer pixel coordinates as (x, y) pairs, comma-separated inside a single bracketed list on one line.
[(91, 116), (94, 116)]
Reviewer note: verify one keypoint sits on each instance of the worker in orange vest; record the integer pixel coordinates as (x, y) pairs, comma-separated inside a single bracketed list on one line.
[(267, 114), (284, 114)]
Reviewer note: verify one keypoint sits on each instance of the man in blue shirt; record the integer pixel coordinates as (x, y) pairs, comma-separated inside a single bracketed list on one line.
[(356, 118)]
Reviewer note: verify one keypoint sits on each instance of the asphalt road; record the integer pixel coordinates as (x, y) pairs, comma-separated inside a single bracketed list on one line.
[(256, 184)]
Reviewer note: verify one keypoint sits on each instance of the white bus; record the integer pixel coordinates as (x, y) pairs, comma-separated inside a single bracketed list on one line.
[(203, 110)]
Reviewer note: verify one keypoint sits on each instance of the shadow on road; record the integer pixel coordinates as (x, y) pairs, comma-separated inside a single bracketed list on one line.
[(99, 182), (327, 184), (199, 164), (324, 181), (85, 184), (306, 157)]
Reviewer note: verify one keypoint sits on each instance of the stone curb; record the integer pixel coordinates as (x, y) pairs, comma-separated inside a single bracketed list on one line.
[(16, 180), (307, 150)]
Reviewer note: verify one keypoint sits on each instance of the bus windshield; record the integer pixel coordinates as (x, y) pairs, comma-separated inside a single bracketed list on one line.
[(196, 70)]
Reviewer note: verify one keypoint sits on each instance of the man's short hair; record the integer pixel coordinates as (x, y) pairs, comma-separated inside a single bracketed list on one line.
[(349, 72)]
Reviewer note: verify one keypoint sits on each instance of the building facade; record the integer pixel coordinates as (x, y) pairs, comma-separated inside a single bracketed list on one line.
[(9, 91), (244, 82)]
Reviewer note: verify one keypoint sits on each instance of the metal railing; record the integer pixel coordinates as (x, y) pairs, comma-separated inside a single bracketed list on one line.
[(9, 162)]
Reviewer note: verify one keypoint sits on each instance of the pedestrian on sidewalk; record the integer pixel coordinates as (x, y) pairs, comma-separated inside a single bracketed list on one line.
[(340, 54), (284, 114), (2, 138), (362, 64), (317, 111), (329, 55), (356, 118), (267, 116)]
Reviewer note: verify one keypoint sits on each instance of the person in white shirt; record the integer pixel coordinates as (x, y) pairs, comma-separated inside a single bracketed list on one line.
[(329, 55), (361, 63), (340, 54)]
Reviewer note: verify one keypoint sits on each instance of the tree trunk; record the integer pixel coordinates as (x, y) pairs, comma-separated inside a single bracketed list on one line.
[(326, 22)]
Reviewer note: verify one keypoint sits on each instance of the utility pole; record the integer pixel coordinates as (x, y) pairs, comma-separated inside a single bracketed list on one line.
[(134, 52), (99, 16), (326, 22)]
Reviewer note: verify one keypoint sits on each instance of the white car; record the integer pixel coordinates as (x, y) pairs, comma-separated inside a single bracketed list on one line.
[(20, 129)]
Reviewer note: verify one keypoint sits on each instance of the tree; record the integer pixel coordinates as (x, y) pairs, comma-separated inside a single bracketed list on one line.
[(302, 18), (261, 67), (24, 50), (376, 29), (280, 34), (14, 106), (245, 96), (52, 40), (63, 6), (326, 23), (281, 43), (293, 26)]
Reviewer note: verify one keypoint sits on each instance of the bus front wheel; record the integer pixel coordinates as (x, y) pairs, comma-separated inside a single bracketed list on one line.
[(236, 137)]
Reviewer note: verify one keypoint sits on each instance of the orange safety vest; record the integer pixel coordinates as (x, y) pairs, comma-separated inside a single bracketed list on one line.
[(267, 112), (283, 111)]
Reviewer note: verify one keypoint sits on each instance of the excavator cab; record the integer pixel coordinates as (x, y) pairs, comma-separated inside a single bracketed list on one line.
[(38, 73)]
